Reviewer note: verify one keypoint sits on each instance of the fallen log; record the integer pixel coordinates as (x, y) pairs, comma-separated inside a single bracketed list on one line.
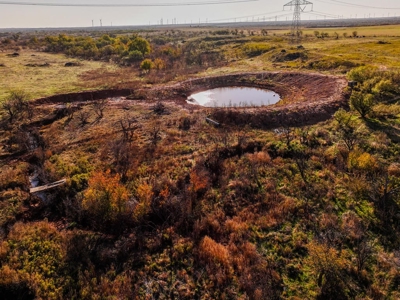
[(48, 186)]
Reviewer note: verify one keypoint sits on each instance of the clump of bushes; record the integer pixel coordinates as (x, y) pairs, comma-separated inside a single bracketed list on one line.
[(331, 64), (256, 49), (374, 86)]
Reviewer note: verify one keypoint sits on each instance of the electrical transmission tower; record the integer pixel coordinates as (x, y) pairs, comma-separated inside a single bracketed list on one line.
[(299, 7)]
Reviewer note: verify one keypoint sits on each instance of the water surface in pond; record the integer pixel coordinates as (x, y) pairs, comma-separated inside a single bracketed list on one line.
[(234, 97)]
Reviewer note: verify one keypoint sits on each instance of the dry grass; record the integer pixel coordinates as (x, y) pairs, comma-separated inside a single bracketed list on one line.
[(43, 81)]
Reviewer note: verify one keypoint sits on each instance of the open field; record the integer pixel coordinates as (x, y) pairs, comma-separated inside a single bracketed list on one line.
[(298, 200), (378, 46), (43, 74)]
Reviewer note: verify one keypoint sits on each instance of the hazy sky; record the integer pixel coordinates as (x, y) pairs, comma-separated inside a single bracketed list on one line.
[(14, 16)]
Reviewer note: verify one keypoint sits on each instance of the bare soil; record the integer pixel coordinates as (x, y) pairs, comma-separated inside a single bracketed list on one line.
[(306, 98)]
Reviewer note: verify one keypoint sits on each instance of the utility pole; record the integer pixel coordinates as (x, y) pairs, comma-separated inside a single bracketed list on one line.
[(101, 23), (298, 9)]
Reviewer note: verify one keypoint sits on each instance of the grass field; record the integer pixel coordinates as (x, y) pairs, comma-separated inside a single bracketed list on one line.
[(39, 80)]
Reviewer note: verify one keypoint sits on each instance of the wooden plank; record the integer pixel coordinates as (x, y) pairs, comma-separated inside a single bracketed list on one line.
[(48, 186), (215, 123)]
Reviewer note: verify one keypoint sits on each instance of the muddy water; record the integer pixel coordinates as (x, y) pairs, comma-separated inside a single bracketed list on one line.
[(234, 97)]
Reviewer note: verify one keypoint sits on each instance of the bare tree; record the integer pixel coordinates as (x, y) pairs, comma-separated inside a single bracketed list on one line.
[(128, 126), (123, 154), (155, 133), (99, 107), (83, 117), (16, 105), (364, 251)]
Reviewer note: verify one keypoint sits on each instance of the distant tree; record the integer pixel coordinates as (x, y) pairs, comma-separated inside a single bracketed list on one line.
[(108, 50), (159, 64), (134, 56), (147, 65), (16, 36), (355, 33), (336, 35), (345, 34), (316, 33), (264, 32), (139, 44), (33, 40), (324, 34)]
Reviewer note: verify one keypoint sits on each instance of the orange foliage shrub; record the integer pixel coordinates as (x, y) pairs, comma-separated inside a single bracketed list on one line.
[(199, 180), (145, 194), (259, 158), (328, 266), (105, 197), (362, 161), (159, 64), (213, 252)]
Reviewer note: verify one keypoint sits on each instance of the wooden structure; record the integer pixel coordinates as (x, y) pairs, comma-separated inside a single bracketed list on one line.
[(48, 186), (212, 122)]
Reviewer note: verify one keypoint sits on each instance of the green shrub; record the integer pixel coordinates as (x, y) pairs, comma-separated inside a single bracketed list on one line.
[(147, 65), (362, 73), (362, 103), (331, 64), (33, 256), (255, 49)]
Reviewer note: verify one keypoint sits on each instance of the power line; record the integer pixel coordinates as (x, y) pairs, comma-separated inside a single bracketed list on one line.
[(195, 3), (248, 16), (296, 32), (261, 19), (349, 4), (322, 15)]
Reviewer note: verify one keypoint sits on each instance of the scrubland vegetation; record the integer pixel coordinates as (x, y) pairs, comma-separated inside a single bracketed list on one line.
[(159, 204)]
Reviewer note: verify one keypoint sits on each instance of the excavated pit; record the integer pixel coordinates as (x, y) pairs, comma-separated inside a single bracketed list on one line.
[(306, 98)]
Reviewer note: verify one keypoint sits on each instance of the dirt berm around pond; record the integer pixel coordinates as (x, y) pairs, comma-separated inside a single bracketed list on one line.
[(307, 98)]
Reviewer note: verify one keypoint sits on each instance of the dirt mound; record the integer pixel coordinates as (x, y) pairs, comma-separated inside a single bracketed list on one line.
[(83, 96)]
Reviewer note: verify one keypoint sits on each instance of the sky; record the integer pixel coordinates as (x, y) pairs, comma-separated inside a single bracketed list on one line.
[(16, 16)]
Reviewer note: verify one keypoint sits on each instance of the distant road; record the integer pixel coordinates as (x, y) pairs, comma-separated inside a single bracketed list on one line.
[(267, 25)]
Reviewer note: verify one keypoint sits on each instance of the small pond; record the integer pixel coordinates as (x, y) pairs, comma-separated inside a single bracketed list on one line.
[(234, 97)]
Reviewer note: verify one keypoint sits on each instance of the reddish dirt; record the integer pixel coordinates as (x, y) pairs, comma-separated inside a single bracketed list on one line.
[(307, 98), (83, 96)]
